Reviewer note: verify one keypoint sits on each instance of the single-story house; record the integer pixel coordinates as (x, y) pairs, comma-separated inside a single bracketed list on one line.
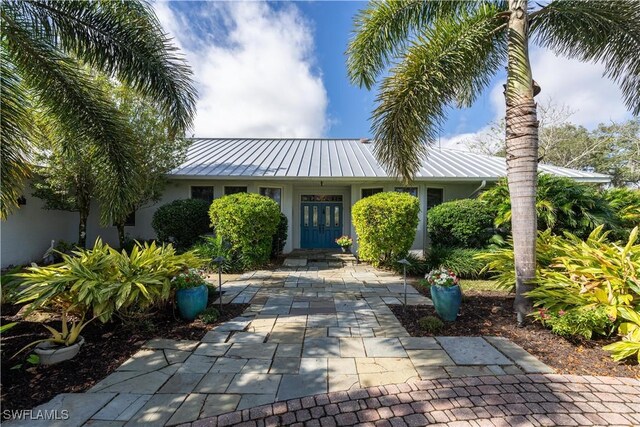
[(315, 181)]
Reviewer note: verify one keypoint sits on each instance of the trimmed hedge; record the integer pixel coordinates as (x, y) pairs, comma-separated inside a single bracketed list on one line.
[(247, 223), (181, 222), (386, 225), (466, 223)]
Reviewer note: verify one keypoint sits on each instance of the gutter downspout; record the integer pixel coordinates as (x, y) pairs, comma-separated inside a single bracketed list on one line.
[(477, 190)]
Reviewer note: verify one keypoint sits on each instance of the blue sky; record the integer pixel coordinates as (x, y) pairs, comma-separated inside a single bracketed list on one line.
[(279, 70)]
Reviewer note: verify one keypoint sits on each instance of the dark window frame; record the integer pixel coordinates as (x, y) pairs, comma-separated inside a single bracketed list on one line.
[(201, 198)]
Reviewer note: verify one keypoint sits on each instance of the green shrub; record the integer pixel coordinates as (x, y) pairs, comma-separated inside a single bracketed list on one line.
[(210, 248), (105, 281), (562, 204), (583, 321), (247, 223), (181, 222), (280, 238), (466, 223), (625, 203), (462, 262), (386, 225), (430, 324), (209, 315)]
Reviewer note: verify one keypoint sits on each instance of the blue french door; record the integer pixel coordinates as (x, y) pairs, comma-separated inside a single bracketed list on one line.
[(321, 224)]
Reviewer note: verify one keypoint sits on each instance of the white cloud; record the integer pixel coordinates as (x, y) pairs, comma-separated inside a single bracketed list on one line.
[(577, 85), (254, 67)]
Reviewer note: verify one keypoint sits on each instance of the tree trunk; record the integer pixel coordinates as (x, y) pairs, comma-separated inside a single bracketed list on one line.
[(82, 229), (522, 155), (120, 227)]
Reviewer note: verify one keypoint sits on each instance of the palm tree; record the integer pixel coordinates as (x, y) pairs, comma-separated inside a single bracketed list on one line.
[(48, 50), (444, 53)]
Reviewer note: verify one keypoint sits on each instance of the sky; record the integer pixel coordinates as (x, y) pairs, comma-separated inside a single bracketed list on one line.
[(278, 69)]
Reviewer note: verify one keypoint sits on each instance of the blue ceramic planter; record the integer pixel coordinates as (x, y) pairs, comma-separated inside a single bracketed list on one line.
[(446, 301), (192, 301)]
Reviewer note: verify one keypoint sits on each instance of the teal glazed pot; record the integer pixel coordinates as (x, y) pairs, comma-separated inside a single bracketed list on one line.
[(446, 300), (192, 301)]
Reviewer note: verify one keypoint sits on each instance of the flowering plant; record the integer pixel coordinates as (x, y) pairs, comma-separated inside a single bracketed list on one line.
[(190, 278), (344, 241), (442, 277)]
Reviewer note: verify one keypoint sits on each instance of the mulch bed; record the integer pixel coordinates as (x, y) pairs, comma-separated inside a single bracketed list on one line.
[(106, 347), (491, 313)]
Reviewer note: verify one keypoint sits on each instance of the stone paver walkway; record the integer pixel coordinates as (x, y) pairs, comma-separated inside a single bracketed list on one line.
[(308, 331)]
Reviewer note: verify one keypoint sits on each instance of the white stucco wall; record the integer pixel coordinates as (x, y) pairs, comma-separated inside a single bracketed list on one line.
[(27, 233)]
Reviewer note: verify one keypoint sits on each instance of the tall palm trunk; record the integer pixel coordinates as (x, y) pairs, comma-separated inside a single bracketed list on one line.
[(522, 154)]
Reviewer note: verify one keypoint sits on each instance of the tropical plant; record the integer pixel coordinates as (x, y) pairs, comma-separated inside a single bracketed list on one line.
[(105, 281), (442, 54), (625, 202), (580, 321), (562, 204), (181, 222), (590, 273), (386, 226), (48, 49), (466, 223), (461, 261), (66, 336), (211, 248), (209, 315), (630, 332)]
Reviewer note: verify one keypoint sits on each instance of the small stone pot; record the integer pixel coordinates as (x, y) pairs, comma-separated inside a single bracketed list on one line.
[(53, 353), (446, 301), (192, 301)]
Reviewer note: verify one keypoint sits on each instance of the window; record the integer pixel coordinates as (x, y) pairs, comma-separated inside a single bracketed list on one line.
[(202, 193), (234, 190), (411, 190), (272, 193), (435, 196), (366, 192)]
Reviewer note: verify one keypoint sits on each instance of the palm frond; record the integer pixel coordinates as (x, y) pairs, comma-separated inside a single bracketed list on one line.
[(455, 59), (383, 28), (600, 31), (124, 39), (15, 132), (81, 109)]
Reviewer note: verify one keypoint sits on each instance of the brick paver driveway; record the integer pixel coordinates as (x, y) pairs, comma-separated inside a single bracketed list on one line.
[(320, 329)]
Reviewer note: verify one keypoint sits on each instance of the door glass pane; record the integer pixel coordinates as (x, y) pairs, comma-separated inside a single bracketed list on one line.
[(321, 198), (315, 216), (336, 216), (306, 216), (327, 216)]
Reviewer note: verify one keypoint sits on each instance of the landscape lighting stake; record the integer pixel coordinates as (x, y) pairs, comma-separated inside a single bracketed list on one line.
[(404, 263), (219, 260)]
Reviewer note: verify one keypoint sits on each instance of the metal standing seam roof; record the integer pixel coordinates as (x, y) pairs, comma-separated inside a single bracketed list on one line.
[(336, 158)]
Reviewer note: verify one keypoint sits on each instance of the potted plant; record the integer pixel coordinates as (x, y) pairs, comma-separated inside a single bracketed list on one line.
[(445, 293), (191, 293), (62, 345), (345, 243)]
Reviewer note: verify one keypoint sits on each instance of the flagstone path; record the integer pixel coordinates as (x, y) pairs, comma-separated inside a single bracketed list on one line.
[(308, 331)]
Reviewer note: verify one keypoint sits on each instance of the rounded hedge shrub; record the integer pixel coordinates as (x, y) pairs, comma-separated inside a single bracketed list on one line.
[(181, 222), (386, 225), (466, 223), (247, 223), (280, 238)]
